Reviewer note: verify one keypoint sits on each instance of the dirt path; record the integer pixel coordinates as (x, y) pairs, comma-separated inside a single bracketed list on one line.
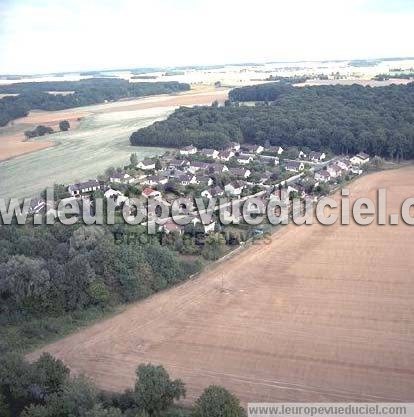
[(320, 314)]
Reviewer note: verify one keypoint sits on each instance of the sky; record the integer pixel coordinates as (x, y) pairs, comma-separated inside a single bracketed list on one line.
[(43, 36)]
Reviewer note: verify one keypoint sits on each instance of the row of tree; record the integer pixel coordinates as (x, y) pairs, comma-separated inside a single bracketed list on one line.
[(35, 95), (45, 388), (41, 130), (341, 119)]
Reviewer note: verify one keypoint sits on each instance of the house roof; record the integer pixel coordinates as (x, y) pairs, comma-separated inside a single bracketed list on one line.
[(215, 191), (236, 184), (238, 171), (363, 155), (216, 167), (185, 177), (188, 148), (324, 174), (198, 164), (335, 168), (148, 191), (86, 184), (314, 154), (244, 157), (293, 164), (226, 154), (208, 151), (171, 226), (147, 162)]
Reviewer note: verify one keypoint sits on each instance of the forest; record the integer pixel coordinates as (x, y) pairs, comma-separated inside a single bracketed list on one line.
[(35, 96), (340, 119), (54, 275)]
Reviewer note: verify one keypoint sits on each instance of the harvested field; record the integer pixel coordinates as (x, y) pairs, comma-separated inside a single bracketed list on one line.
[(13, 143), (320, 314), (99, 140)]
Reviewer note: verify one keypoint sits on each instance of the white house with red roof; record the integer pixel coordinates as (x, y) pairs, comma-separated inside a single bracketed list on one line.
[(151, 193)]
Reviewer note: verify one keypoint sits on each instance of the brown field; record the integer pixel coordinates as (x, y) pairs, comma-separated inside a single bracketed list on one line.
[(13, 143), (320, 314)]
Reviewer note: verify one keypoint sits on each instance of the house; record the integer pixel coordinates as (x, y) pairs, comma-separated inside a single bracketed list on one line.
[(210, 153), (270, 159), (196, 166), (209, 227), (85, 187), (322, 176), (187, 179), (121, 178), (276, 149), (178, 163), (204, 179), (360, 159), (155, 180), (344, 164), (225, 155), (355, 169), (116, 196), (217, 168), (294, 166), (264, 176), (240, 172), (188, 150), (234, 188), (244, 159), (146, 165), (212, 192), (170, 227), (150, 193), (257, 149), (316, 156), (234, 146), (334, 171), (139, 177), (301, 155)]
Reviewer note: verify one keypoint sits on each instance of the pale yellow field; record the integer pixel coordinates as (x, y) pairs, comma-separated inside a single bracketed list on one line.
[(320, 314)]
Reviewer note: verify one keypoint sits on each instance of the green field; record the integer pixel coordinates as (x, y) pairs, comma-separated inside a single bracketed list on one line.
[(101, 141)]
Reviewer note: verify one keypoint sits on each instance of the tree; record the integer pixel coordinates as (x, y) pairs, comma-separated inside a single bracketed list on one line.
[(155, 391), (158, 165), (133, 159), (37, 411), (216, 401), (16, 377), (51, 373), (64, 125), (213, 247), (78, 397), (23, 279), (99, 411)]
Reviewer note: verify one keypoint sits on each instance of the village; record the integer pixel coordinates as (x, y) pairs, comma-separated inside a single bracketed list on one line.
[(238, 172)]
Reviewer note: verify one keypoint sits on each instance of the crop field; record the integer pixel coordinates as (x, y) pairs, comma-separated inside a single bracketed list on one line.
[(101, 141), (98, 141), (319, 314)]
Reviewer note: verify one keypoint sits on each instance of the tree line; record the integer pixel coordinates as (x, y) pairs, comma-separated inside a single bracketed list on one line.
[(45, 388), (340, 119), (35, 95)]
